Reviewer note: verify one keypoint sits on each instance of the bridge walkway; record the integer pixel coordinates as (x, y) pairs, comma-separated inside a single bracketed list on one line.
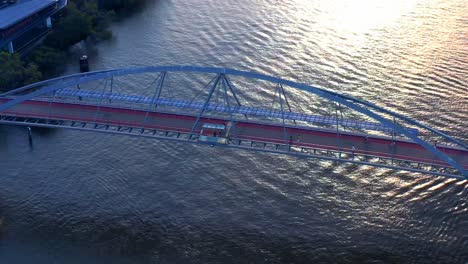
[(349, 143)]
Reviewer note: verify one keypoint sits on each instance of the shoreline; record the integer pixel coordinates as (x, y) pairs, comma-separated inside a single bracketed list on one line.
[(89, 22)]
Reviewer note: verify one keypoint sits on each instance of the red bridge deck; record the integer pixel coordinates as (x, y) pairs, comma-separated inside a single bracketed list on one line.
[(297, 136)]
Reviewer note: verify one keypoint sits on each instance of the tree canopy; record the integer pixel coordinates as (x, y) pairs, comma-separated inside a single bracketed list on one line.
[(82, 20), (14, 72)]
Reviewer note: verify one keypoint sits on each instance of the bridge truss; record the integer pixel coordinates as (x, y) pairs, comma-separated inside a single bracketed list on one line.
[(234, 98)]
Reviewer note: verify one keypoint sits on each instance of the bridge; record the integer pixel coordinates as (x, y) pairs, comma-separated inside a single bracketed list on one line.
[(237, 109)]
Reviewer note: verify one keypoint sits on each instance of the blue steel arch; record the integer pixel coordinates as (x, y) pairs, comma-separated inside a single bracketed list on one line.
[(349, 101)]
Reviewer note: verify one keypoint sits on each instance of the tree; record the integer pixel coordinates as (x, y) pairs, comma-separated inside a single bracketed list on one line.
[(120, 5), (15, 73), (47, 58), (73, 28)]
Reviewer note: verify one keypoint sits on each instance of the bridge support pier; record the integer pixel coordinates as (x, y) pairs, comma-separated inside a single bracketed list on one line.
[(48, 22), (30, 136), (10, 47)]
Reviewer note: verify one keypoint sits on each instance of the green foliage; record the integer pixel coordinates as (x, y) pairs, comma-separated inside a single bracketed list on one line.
[(120, 5), (100, 20), (83, 19), (79, 24), (47, 58), (15, 73), (73, 28), (31, 74)]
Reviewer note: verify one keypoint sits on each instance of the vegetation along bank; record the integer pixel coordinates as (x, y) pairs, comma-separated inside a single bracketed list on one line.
[(80, 20)]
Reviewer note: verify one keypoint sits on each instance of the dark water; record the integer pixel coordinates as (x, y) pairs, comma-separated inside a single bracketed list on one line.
[(79, 197)]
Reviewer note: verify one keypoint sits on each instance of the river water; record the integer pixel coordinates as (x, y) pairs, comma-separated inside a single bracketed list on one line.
[(78, 197)]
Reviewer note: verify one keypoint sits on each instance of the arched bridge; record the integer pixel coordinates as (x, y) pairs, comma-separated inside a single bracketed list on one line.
[(238, 109)]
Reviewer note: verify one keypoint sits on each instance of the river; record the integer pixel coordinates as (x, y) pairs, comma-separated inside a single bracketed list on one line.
[(79, 197)]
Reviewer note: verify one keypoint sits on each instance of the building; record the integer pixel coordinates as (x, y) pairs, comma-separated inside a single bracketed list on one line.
[(23, 22)]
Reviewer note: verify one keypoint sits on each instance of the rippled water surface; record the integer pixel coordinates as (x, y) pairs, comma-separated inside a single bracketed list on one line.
[(79, 197)]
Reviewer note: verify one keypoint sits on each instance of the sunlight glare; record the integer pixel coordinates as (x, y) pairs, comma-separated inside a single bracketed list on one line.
[(359, 16)]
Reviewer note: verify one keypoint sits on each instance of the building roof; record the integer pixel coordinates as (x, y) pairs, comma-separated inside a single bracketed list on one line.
[(22, 9)]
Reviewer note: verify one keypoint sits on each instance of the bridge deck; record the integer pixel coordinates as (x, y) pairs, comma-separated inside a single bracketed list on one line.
[(300, 136)]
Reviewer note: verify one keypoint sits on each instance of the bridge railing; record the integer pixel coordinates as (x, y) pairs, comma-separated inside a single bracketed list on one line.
[(388, 121)]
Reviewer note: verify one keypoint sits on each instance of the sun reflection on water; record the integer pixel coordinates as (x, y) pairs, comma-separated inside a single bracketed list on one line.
[(358, 16)]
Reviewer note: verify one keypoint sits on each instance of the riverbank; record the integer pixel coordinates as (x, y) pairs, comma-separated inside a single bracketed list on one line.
[(80, 21)]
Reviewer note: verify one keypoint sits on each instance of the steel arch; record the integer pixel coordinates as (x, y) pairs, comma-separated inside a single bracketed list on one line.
[(349, 101)]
